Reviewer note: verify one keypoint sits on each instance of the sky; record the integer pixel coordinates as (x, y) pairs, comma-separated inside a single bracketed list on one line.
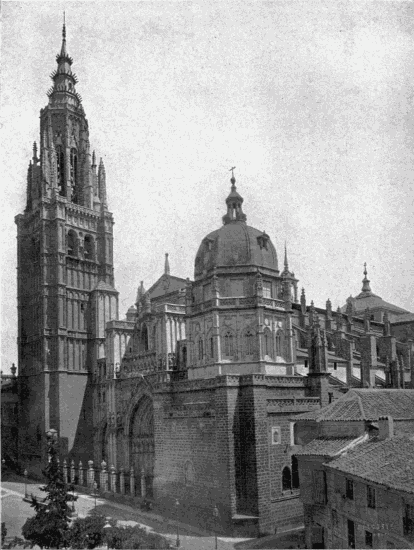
[(311, 101)]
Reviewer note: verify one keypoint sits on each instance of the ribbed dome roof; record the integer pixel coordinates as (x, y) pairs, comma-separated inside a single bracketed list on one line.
[(235, 244)]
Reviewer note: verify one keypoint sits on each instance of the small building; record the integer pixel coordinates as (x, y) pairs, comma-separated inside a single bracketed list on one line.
[(356, 471)]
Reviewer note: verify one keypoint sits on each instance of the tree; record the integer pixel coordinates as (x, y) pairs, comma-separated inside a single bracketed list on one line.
[(49, 528)]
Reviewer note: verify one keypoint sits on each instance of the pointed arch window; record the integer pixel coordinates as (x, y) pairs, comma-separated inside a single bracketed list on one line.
[(88, 247), (268, 343), (74, 175), (72, 248), (211, 347), (279, 344), (286, 479), (200, 349), (249, 343), (295, 473), (144, 338), (60, 170), (228, 344)]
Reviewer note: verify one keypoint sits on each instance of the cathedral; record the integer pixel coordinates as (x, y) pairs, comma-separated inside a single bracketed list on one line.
[(196, 389)]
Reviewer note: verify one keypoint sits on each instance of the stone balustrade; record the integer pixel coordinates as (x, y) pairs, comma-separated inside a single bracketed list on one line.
[(107, 479)]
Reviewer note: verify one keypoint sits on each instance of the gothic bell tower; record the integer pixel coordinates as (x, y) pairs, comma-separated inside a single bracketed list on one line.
[(65, 275)]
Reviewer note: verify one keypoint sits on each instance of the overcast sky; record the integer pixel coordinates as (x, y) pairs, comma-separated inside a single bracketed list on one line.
[(311, 101)]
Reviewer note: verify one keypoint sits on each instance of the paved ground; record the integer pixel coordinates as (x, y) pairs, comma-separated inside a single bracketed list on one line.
[(15, 511)]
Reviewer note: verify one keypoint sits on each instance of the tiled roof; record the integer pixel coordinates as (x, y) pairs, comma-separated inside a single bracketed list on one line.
[(327, 446), (365, 404), (388, 462)]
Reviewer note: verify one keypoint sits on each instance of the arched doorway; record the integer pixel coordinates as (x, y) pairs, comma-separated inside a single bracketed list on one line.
[(141, 439)]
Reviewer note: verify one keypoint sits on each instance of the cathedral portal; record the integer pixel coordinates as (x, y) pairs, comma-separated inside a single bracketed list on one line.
[(141, 439)]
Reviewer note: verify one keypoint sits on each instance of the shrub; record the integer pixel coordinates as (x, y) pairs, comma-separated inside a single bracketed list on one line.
[(87, 532), (135, 538), (3, 532)]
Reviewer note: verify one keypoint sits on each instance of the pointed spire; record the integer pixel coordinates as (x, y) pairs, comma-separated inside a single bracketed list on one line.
[(167, 265), (102, 182), (63, 48), (286, 259), (93, 159), (365, 281)]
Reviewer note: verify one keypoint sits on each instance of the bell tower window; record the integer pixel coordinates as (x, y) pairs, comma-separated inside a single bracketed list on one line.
[(88, 248), (72, 244), (74, 175), (60, 170)]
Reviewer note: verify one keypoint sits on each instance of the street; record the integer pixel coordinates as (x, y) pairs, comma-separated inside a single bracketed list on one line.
[(15, 511)]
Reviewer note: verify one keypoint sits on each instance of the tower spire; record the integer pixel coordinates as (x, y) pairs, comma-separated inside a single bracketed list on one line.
[(286, 259), (365, 281), (63, 48)]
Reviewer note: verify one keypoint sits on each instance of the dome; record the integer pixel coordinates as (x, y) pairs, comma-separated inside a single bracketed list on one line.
[(236, 243)]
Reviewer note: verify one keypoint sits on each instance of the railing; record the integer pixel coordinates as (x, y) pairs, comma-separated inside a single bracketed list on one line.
[(106, 479)]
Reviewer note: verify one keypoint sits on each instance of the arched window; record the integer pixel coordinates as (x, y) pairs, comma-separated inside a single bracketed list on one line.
[(249, 342), (278, 342), (212, 347), (286, 479), (184, 356), (72, 243), (88, 248), (74, 175), (60, 170), (200, 349), (228, 344), (268, 343), (144, 338), (295, 473)]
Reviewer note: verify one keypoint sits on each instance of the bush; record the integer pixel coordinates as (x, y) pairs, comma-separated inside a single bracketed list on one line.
[(3, 532), (87, 532), (135, 538)]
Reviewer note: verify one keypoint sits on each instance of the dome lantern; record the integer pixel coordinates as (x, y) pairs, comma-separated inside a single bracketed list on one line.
[(234, 204)]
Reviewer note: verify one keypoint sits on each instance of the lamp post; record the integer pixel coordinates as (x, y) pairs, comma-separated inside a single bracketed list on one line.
[(106, 527), (25, 473), (177, 542), (95, 489), (216, 515)]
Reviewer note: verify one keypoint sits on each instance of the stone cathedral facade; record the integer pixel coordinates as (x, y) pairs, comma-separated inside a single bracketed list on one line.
[(197, 388)]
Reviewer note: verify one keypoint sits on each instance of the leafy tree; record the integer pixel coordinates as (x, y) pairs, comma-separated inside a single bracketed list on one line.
[(88, 532), (49, 528)]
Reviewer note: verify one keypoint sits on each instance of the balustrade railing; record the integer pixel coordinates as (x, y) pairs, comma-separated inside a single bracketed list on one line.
[(106, 479)]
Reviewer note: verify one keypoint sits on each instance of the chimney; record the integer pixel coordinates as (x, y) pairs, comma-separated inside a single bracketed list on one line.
[(385, 427)]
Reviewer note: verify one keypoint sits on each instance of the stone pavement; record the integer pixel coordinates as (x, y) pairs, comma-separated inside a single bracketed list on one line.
[(15, 511)]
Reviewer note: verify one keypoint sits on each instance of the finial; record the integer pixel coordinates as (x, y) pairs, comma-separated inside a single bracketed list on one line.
[(93, 159), (365, 281), (64, 27), (167, 265), (286, 259), (233, 179), (34, 151)]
